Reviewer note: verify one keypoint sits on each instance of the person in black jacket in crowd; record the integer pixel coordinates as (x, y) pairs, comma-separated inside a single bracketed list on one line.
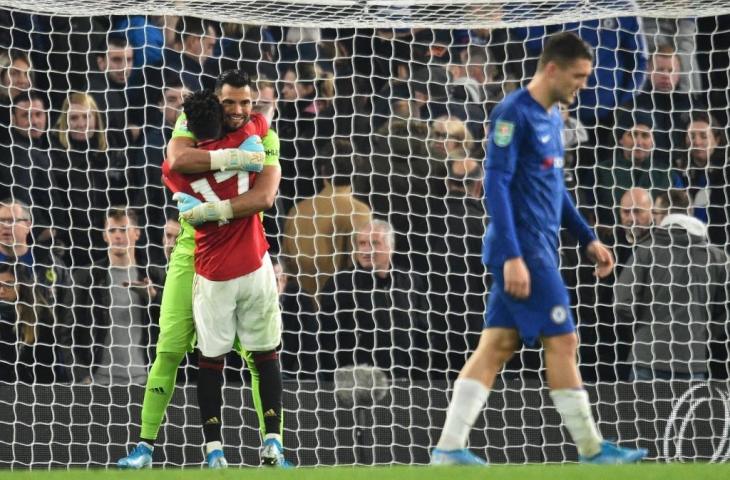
[(374, 313), (34, 344), (25, 164), (89, 174), (456, 224)]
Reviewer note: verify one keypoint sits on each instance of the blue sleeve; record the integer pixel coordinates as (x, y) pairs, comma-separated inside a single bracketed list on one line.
[(501, 163), (574, 221)]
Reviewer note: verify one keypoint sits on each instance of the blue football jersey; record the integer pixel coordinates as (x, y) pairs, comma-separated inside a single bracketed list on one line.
[(524, 181)]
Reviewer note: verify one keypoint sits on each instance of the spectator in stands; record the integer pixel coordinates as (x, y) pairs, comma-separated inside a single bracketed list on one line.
[(25, 167), (299, 327), (300, 44), (172, 230), (62, 50), (34, 347), (16, 76), (466, 175), (305, 125), (398, 170), (250, 48), (373, 312), (673, 292), (673, 207), (472, 89), (449, 139), (88, 176), (121, 104), (578, 162), (476, 71), (699, 168), (159, 127), (680, 32), (266, 98), (632, 165), (146, 35), (116, 300), (397, 180), (190, 57), (158, 131), (455, 227), (669, 107), (318, 231), (636, 209), (16, 246)]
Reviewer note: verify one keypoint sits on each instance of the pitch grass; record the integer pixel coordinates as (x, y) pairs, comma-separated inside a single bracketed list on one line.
[(646, 471)]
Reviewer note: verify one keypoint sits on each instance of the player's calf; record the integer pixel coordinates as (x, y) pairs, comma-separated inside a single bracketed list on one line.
[(210, 401)]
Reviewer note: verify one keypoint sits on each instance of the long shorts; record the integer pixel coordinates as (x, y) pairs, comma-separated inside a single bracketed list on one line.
[(246, 306), (545, 313)]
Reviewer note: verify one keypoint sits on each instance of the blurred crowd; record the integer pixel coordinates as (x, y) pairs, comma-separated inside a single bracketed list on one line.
[(377, 227)]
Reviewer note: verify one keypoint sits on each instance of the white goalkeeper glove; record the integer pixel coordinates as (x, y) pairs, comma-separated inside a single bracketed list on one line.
[(249, 156), (196, 212)]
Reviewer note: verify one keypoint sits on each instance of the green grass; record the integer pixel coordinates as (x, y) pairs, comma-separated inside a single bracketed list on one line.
[(647, 471)]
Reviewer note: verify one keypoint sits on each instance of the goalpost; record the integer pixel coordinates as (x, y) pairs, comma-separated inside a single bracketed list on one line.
[(385, 103)]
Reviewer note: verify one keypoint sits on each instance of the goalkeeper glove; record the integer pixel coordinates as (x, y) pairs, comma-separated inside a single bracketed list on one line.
[(249, 156), (196, 212)]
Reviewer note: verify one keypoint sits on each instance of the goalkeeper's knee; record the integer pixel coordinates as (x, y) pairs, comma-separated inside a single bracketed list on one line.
[(166, 362)]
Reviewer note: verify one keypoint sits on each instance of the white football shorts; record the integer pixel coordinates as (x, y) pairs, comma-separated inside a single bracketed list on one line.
[(247, 306)]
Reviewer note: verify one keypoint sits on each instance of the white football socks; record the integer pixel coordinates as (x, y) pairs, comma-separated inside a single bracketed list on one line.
[(466, 404), (210, 446), (575, 409)]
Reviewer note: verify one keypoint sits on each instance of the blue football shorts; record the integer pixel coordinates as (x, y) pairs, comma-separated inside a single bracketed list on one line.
[(545, 313)]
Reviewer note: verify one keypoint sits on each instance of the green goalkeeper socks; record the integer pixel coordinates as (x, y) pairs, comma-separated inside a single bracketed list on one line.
[(157, 395)]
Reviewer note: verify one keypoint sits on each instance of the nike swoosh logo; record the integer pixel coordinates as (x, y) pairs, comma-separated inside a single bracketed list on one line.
[(545, 138)]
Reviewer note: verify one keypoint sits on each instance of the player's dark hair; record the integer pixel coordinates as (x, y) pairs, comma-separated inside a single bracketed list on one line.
[(204, 114), (564, 48), (234, 78)]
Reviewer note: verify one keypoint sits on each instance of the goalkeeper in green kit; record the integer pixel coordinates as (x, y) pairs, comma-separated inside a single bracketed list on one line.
[(177, 329)]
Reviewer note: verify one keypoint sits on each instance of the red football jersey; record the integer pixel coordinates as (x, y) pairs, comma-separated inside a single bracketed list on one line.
[(235, 248)]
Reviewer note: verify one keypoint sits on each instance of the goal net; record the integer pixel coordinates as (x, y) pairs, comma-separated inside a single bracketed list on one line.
[(382, 109)]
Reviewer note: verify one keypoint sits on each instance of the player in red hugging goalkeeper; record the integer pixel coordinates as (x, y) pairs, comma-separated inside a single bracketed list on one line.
[(221, 191)]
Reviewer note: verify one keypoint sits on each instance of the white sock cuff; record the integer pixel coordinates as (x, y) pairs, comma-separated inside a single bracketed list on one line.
[(569, 395), (210, 446), (471, 389)]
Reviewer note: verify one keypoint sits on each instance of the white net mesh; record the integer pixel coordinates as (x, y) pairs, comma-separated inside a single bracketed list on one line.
[(389, 13), (381, 114)]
